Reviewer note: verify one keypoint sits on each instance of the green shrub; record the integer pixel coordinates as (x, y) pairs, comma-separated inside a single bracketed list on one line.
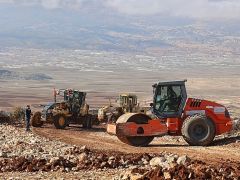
[(4, 117), (18, 114)]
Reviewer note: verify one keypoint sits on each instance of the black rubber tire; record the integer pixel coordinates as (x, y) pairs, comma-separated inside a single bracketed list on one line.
[(56, 121), (36, 120), (112, 118), (87, 122), (95, 120), (140, 141), (84, 123), (49, 118), (198, 130)]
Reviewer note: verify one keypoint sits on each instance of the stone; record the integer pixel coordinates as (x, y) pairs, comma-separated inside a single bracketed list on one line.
[(53, 160), (133, 167), (83, 148), (3, 154), (171, 159), (190, 175), (145, 162), (135, 176), (111, 158), (164, 165), (110, 162), (126, 175), (67, 169), (100, 157), (167, 175), (156, 161), (103, 164), (182, 160), (126, 162), (176, 156), (82, 157), (231, 174), (172, 164), (33, 141), (221, 170), (40, 149)]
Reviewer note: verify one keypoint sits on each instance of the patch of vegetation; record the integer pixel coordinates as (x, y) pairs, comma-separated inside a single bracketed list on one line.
[(18, 114), (4, 117)]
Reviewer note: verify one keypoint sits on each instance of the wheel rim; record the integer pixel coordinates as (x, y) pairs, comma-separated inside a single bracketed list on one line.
[(199, 131), (61, 121)]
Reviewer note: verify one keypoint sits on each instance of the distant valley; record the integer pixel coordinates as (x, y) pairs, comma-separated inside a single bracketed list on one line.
[(12, 75)]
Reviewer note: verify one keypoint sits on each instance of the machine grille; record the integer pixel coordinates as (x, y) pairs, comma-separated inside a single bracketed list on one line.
[(196, 103)]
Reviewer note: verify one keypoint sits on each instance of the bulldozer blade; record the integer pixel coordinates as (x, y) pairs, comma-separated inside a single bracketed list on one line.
[(111, 129)]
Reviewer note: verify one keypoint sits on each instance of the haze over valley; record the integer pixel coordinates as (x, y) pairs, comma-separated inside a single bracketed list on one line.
[(106, 50)]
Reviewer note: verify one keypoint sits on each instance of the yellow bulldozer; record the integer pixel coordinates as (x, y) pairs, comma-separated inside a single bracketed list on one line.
[(126, 103)]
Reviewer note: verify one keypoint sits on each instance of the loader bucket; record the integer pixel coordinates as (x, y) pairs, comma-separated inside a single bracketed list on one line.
[(111, 129)]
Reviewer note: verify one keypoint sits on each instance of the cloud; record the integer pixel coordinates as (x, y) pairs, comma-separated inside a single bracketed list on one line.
[(200, 9), (49, 4), (182, 8), (53, 4)]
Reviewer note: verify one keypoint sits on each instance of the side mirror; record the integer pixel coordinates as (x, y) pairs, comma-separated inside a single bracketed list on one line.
[(151, 104)]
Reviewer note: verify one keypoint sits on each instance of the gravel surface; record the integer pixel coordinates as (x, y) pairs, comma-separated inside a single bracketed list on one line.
[(25, 155), (93, 175), (17, 142)]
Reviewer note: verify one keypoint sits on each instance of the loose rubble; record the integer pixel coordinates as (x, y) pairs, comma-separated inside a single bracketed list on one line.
[(236, 124), (22, 151)]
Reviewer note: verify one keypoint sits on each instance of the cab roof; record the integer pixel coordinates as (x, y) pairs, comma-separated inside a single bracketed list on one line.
[(128, 94), (164, 83)]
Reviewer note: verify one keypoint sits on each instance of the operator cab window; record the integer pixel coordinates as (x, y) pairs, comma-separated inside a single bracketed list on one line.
[(168, 99)]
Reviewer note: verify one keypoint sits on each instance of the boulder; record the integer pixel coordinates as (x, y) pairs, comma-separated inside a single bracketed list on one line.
[(156, 161), (182, 160)]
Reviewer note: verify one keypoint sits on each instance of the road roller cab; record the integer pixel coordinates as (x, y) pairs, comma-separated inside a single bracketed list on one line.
[(198, 121), (169, 99)]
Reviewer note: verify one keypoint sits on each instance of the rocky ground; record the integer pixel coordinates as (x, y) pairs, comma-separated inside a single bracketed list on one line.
[(25, 155)]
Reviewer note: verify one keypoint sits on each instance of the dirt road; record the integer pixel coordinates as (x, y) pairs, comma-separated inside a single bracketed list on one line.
[(223, 149)]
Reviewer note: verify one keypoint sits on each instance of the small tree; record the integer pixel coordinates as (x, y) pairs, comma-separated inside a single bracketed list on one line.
[(4, 117), (18, 114)]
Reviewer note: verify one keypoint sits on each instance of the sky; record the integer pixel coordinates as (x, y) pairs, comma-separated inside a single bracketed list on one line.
[(196, 9), (106, 24)]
